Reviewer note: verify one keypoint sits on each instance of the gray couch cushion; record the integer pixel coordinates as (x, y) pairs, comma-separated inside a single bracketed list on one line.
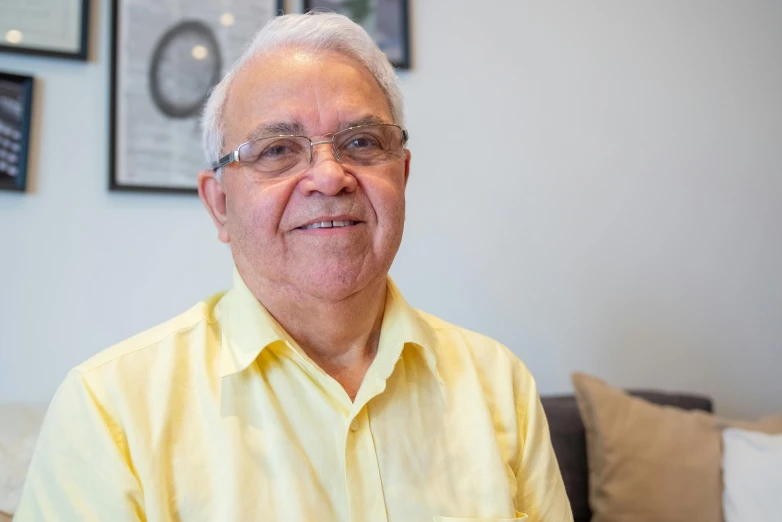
[(569, 440)]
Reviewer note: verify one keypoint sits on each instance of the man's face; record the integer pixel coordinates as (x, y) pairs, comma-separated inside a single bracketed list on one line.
[(320, 93)]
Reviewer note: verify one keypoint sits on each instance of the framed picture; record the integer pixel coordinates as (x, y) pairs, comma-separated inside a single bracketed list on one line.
[(16, 99), (167, 55), (385, 20), (56, 28)]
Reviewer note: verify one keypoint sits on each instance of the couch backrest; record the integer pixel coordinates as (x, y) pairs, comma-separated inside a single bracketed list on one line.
[(569, 440)]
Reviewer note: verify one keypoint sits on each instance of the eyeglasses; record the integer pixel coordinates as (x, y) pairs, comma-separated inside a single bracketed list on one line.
[(277, 157)]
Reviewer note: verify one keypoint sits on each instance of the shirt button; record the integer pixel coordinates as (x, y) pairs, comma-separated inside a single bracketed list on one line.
[(354, 425)]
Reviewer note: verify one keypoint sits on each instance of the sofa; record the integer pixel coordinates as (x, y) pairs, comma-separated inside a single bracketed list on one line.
[(19, 426), (567, 436), (569, 440)]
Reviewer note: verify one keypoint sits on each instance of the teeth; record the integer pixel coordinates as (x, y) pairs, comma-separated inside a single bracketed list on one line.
[(329, 224)]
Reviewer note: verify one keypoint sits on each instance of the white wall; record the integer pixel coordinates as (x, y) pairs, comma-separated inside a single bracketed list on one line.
[(598, 185)]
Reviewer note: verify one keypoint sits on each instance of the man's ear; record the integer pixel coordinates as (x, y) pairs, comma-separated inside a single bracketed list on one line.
[(407, 165), (210, 190)]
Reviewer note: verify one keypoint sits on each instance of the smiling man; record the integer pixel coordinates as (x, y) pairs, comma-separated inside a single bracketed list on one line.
[(311, 391)]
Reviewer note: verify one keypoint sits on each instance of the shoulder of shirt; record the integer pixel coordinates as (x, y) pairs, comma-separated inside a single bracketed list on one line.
[(481, 346), (203, 312)]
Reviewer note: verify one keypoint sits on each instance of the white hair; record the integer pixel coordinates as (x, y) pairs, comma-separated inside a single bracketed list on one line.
[(315, 31)]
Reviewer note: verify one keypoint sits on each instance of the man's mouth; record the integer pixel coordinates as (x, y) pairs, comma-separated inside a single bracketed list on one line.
[(329, 224)]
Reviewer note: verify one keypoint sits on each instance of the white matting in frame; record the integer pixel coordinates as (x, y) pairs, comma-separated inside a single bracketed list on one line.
[(167, 55), (56, 28)]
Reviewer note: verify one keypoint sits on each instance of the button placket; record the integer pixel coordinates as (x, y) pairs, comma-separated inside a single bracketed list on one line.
[(365, 490)]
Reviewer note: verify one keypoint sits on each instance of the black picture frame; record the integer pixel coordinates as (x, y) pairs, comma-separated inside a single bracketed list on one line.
[(397, 17), (16, 101), (80, 53), (193, 27)]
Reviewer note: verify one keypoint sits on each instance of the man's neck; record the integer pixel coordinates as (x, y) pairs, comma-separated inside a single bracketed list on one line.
[(339, 336)]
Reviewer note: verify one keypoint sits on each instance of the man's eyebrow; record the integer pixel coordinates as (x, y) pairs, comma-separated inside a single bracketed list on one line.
[(276, 128), (282, 128), (366, 120)]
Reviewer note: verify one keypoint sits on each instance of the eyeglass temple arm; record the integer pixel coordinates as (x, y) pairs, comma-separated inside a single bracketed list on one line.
[(226, 160)]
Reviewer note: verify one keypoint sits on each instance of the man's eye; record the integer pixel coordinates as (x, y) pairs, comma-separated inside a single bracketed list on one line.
[(276, 152), (363, 142)]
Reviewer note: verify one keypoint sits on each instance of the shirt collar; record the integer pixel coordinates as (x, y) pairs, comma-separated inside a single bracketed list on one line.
[(248, 329), (402, 327)]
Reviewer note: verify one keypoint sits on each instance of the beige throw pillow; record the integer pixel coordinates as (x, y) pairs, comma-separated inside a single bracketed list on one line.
[(771, 425), (649, 462)]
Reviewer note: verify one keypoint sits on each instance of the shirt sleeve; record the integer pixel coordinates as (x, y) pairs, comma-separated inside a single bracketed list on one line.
[(81, 468), (540, 489)]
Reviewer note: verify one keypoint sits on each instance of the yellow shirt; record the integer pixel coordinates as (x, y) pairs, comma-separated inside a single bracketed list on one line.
[(218, 415)]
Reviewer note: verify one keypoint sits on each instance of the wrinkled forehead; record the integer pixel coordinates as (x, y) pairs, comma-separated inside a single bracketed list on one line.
[(298, 91)]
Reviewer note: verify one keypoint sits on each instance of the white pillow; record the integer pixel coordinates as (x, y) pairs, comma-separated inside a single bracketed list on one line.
[(752, 476), (19, 427)]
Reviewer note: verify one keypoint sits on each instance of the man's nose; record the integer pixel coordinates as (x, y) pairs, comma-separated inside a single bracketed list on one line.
[(325, 173)]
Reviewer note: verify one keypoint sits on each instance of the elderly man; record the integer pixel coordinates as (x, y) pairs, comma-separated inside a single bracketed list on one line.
[(311, 391)]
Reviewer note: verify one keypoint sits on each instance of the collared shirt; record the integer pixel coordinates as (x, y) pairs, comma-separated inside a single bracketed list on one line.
[(218, 415)]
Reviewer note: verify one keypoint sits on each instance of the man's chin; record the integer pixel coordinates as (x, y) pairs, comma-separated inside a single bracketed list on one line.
[(333, 288), (331, 283)]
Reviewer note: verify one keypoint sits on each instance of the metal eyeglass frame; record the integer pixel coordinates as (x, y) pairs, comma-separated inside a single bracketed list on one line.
[(233, 157)]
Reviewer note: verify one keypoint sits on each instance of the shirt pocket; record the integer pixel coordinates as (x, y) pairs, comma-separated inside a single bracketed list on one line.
[(520, 517)]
